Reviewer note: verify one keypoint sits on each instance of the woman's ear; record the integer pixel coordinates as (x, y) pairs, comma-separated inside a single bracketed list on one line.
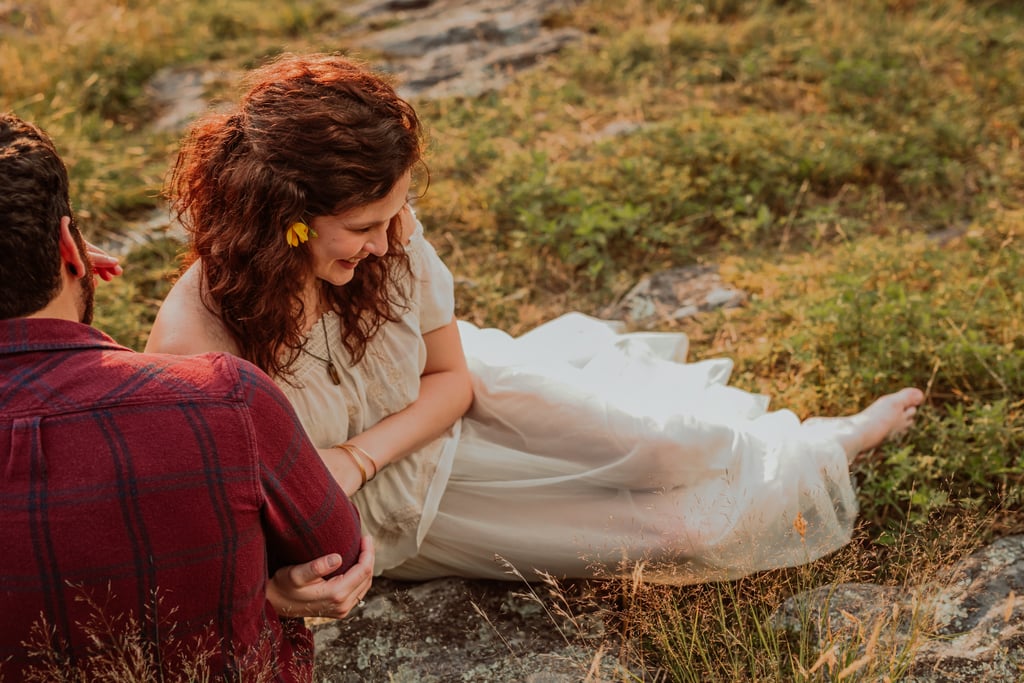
[(69, 251)]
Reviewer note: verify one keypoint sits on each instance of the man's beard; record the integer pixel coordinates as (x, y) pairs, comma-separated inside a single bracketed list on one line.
[(88, 294), (87, 281)]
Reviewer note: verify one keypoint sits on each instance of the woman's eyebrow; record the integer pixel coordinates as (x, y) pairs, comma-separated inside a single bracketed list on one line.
[(369, 224), (365, 224)]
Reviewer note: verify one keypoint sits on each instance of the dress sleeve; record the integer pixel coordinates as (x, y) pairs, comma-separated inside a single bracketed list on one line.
[(305, 513), (434, 288)]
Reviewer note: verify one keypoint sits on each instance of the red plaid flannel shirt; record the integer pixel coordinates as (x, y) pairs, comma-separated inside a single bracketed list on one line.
[(156, 492)]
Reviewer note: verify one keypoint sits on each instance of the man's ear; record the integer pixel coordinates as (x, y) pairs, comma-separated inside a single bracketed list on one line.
[(69, 253)]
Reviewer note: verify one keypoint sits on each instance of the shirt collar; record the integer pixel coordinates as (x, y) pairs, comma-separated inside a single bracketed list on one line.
[(22, 335)]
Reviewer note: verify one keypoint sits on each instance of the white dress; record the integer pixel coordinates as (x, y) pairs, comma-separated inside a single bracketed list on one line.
[(585, 452)]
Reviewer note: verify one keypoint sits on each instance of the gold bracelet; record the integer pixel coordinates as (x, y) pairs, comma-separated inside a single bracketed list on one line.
[(355, 458), (366, 455)]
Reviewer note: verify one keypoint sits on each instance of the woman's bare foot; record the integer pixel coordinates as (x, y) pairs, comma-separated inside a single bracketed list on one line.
[(885, 418)]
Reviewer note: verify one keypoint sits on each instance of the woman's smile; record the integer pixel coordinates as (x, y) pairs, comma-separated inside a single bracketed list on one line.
[(349, 263)]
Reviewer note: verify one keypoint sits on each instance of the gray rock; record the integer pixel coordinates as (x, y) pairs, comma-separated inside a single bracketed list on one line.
[(966, 625), (674, 294), (617, 128), (979, 619), (180, 95), (154, 225), (461, 47), (461, 630)]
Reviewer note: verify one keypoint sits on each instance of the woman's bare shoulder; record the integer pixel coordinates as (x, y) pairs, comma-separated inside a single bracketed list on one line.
[(185, 325)]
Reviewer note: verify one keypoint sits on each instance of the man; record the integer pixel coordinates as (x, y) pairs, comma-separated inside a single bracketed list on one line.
[(144, 499)]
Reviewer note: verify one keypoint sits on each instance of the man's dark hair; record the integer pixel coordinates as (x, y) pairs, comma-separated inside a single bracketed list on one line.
[(33, 197)]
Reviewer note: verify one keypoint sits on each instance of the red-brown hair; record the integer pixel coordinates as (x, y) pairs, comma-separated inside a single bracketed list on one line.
[(315, 135)]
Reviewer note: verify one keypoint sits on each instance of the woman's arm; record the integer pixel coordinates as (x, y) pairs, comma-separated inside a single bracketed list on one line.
[(445, 395)]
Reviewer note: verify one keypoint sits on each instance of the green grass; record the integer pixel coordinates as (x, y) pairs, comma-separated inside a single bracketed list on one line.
[(856, 167)]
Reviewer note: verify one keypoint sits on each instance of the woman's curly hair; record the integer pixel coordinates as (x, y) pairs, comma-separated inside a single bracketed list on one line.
[(315, 135)]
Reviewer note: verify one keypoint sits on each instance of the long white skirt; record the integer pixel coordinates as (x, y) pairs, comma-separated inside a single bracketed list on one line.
[(588, 451)]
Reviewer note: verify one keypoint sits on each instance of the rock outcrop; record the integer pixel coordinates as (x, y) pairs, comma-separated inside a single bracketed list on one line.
[(967, 625), (468, 630), (462, 47), (674, 294)]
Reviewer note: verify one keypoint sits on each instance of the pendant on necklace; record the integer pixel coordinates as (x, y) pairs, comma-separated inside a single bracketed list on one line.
[(332, 372)]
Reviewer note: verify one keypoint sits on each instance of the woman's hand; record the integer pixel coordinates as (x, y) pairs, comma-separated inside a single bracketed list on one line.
[(301, 591), (103, 264)]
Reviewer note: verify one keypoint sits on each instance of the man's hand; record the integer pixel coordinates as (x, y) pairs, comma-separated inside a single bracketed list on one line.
[(301, 591)]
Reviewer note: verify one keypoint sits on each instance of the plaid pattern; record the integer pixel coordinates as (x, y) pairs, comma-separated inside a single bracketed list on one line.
[(157, 488)]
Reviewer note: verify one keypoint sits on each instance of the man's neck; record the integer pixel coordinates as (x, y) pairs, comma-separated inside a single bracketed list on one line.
[(64, 306)]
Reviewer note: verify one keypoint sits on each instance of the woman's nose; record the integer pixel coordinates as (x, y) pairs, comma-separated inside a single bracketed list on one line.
[(378, 242)]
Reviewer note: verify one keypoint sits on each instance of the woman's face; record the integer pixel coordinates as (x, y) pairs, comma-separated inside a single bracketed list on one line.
[(345, 239)]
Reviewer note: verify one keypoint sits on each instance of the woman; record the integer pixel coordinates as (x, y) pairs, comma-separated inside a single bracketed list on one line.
[(573, 450)]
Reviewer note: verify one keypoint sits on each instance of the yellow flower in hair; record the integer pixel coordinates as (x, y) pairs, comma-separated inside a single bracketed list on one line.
[(298, 233)]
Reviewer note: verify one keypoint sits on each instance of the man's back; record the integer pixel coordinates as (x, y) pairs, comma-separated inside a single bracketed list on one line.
[(158, 489)]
